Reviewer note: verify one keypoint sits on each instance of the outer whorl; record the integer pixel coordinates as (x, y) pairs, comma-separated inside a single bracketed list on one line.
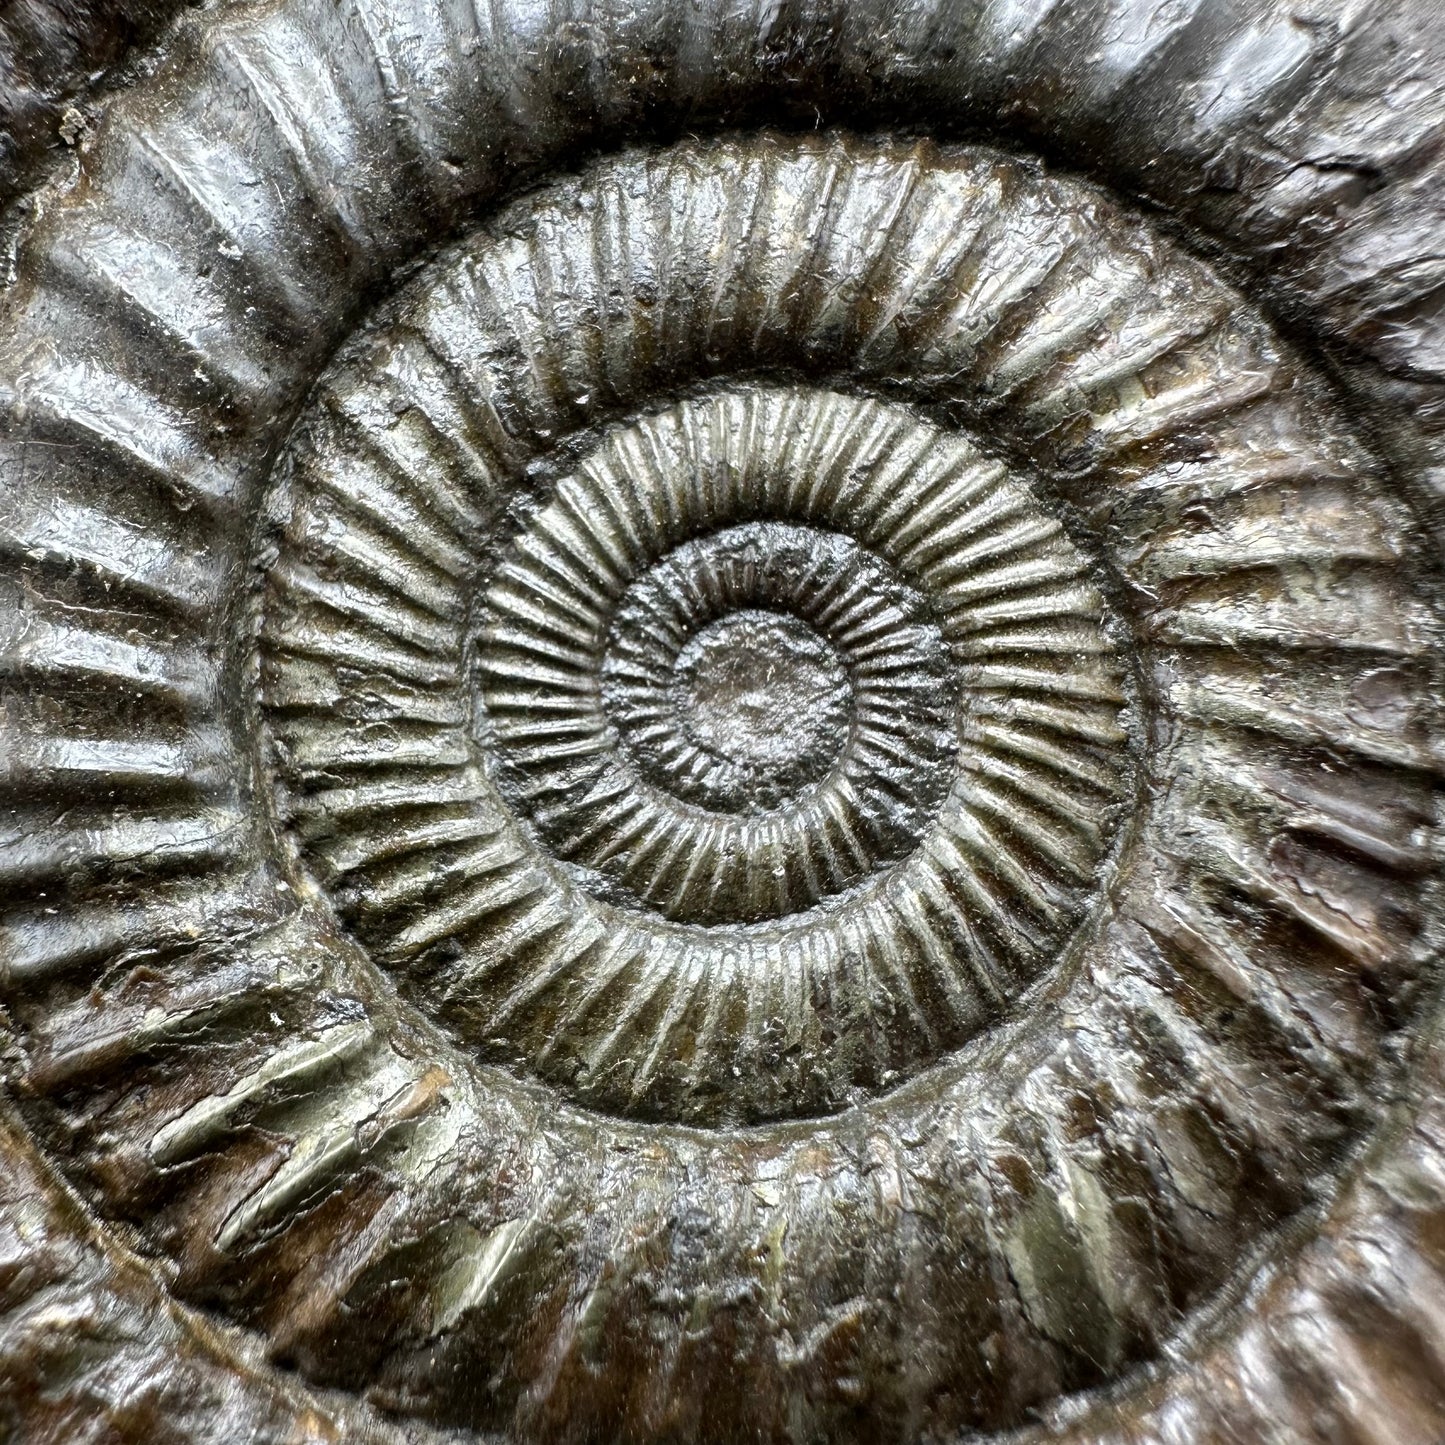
[(775, 785)]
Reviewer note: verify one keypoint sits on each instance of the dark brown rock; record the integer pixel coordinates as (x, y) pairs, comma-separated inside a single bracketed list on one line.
[(726, 727)]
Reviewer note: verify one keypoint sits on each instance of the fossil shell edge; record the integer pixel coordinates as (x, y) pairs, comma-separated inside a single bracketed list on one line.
[(1344, 1334)]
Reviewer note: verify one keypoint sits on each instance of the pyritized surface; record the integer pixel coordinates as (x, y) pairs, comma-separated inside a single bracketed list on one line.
[(686, 932), (1028, 1215)]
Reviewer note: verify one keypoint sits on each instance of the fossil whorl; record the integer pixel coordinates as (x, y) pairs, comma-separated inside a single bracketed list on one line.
[(784, 788), (895, 873)]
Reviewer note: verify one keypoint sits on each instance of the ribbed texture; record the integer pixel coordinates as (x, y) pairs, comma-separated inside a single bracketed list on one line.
[(529, 829), (945, 850), (1051, 1207)]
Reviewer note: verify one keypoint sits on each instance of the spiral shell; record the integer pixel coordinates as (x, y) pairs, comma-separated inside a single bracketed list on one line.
[(784, 788), (968, 695)]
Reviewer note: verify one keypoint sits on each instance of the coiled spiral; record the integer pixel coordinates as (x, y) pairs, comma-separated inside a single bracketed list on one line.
[(785, 787), (950, 659)]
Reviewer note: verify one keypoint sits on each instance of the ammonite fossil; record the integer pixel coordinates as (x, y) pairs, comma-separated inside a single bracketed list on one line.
[(723, 724)]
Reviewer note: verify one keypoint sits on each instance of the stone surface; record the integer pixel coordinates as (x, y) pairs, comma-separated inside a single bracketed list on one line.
[(725, 726)]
